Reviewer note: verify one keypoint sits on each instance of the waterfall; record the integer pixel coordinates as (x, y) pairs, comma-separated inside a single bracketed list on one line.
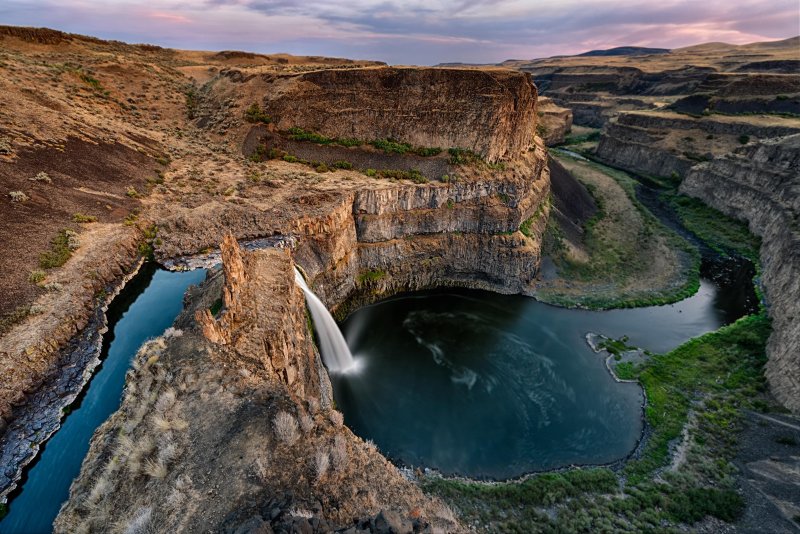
[(335, 352)]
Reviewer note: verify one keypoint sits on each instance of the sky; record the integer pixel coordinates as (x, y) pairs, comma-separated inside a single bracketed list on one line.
[(422, 32)]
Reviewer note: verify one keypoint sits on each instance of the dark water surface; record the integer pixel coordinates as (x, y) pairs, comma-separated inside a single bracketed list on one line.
[(144, 309), (492, 386), (468, 382)]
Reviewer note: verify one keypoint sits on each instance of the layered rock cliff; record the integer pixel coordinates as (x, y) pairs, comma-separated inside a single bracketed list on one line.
[(660, 143), (489, 112), (223, 389), (226, 425), (555, 122), (760, 183)]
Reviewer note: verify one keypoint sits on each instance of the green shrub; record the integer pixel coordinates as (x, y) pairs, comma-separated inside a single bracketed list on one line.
[(349, 142), (132, 192), (81, 218), (36, 276), (290, 158), (192, 102), (342, 165), (254, 114), (298, 134), (744, 139), (461, 156), (393, 174), (94, 83), (427, 152), (391, 146), (372, 173), (61, 248)]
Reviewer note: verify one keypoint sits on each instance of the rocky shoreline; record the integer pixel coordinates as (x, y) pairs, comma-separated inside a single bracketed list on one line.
[(40, 417)]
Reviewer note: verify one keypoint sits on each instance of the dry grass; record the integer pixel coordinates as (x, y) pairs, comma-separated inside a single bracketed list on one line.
[(306, 423), (141, 522), (42, 177), (18, 196), (336, 418), (339, 454), (321, 464), (285, 427), (155, 469)]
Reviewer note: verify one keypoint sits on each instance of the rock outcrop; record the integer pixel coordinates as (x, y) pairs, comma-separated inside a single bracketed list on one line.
[(263, 318), (660, 143), (222, 429), (491, 112), (555, 122), (760, 183)]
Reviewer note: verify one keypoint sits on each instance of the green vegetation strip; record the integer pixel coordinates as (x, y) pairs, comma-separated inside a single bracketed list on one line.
[(720, 232), (390, 146), (714, 377)]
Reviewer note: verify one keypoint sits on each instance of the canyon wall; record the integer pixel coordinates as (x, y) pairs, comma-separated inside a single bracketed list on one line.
[(660, 143), (760, 183), (491, 112), (218, 383), (555, 122)]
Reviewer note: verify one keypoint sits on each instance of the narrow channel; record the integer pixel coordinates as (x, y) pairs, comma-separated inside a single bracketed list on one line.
[(146, 307)]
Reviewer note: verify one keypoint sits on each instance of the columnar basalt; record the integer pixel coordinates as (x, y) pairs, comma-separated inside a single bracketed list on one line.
[(491, 112), (761, 184)]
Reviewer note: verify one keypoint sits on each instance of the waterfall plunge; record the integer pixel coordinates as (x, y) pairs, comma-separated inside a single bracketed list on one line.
[(335, 352)]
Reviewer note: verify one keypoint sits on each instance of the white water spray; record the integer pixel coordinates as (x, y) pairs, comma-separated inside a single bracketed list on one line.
[(335, 352)]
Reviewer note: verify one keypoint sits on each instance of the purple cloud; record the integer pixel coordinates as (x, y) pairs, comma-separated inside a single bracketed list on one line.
[(414, 31)]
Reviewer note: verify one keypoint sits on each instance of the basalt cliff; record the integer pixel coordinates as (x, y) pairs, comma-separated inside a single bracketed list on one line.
[(760, 183), (356, 238), (372, 180)]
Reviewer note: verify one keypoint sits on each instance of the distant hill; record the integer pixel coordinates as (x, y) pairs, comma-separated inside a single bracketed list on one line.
[(626, 51)]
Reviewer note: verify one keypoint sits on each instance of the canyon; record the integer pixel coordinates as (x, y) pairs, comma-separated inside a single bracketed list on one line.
[(372, 181), (717, 119)]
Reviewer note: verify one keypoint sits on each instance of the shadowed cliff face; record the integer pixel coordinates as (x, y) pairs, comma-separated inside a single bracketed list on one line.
[(761, 184), (489, 112)]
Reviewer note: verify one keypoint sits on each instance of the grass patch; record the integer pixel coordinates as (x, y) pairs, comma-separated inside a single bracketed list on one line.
[(10, 319), (718, 231), (722, 369), (589, 137), (82, 218), (370, 277), (61, 247), (615, 346), (618, 251)]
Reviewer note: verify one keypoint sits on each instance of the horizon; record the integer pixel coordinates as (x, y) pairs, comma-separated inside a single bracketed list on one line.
[(418, 33)]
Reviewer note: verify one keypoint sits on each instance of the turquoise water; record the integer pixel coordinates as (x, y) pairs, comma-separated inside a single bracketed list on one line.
[(146, 307)]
